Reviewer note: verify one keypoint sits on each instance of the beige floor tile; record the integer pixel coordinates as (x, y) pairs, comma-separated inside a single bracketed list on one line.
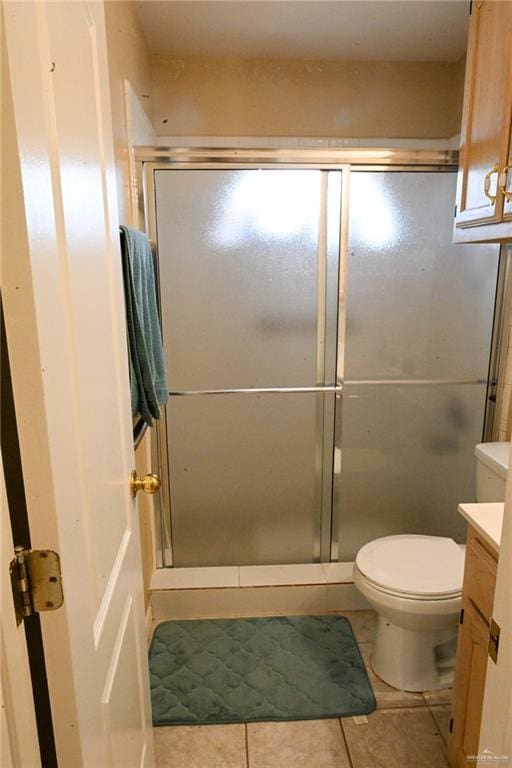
[(345, 597), (434, 698), (305, 743), (200, 746), (442, 715), (388, 697), (363, 624), (395, 738)]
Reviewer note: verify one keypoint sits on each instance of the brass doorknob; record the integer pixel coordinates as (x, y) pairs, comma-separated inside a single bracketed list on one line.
[(148, 483)]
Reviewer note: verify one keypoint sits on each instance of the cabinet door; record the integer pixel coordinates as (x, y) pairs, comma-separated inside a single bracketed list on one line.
[(468, 689), (485, 123), (506, 178)]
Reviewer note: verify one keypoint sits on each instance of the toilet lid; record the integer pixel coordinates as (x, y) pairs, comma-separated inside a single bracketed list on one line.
[(427, 566)]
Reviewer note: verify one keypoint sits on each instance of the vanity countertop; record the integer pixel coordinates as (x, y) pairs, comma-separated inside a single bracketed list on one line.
[(487, 519)]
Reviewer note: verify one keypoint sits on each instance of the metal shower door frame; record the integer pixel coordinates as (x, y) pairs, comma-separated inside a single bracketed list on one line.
[(329, 428), (329, 227)]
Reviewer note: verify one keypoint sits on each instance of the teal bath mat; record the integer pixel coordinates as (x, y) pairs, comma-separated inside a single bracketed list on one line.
[(250, 670)]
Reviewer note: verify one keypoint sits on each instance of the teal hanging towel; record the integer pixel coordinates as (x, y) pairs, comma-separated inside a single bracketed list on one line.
[(148, 379)]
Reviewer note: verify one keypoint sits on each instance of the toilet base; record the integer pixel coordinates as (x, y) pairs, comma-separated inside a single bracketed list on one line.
[(414, 661)]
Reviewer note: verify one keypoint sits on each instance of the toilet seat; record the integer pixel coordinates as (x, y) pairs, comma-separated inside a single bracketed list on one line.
[(409, 596), (413, 567)]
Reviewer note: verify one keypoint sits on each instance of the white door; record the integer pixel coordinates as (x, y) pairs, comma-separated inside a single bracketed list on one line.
[(64, 310), (496, 731), (18, 738)]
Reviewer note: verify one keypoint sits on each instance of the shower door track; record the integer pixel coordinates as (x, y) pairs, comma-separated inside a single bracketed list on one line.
[(256, 391), (151, 159), (334, 389)]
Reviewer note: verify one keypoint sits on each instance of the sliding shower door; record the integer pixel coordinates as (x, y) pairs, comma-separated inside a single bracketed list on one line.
[(249, 263), (419, 314)]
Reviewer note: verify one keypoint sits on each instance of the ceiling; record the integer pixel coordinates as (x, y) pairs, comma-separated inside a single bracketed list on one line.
[(382, 30)]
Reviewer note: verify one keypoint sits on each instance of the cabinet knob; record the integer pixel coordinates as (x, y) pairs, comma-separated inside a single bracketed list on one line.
[(148, 483), (503, 183), (487, 183)]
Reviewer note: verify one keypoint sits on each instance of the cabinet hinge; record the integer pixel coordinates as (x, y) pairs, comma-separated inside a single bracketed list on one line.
[(492, 390), (455, 212), (494, 640), (450, 725), (36, 581), (461, 616)]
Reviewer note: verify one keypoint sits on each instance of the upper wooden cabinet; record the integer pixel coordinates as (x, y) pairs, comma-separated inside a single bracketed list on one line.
[(484, 193)]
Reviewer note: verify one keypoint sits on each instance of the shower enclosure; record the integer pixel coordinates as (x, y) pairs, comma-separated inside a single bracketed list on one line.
[(327, 350)]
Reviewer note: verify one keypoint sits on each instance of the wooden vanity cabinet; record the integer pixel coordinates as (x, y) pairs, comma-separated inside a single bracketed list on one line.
[(484, 189), (472, 651)]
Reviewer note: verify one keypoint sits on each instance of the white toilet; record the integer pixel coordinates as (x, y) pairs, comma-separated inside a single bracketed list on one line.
[(415, 583)]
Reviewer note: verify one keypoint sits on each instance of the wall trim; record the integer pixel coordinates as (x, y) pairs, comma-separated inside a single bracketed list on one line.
[(252, 576), (254, 590), (233, 602), (295, 142)]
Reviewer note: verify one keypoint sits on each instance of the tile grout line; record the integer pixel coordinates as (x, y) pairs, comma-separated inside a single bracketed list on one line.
[(445, 743), (246, 746), (400, 706), (345, 742), (438, 729)]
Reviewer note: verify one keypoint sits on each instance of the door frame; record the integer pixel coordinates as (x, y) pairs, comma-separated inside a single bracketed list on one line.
[(495, 745), (19, 741), (24, 639), (151, 159)]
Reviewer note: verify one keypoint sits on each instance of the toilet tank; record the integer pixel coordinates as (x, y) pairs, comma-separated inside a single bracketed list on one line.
[(491, 470)]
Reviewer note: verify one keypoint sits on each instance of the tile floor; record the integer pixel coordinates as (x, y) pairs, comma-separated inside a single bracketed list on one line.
[(407, 729)]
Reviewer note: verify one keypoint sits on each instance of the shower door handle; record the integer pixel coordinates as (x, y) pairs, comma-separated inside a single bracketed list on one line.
[(335, 389)]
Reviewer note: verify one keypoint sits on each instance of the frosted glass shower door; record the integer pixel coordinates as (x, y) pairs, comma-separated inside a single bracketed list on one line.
[(248, 263), (419, 313)]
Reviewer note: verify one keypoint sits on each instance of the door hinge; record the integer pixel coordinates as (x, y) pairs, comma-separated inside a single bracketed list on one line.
[(461, 616), (36, 582), (450, 726), (494, 640)]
